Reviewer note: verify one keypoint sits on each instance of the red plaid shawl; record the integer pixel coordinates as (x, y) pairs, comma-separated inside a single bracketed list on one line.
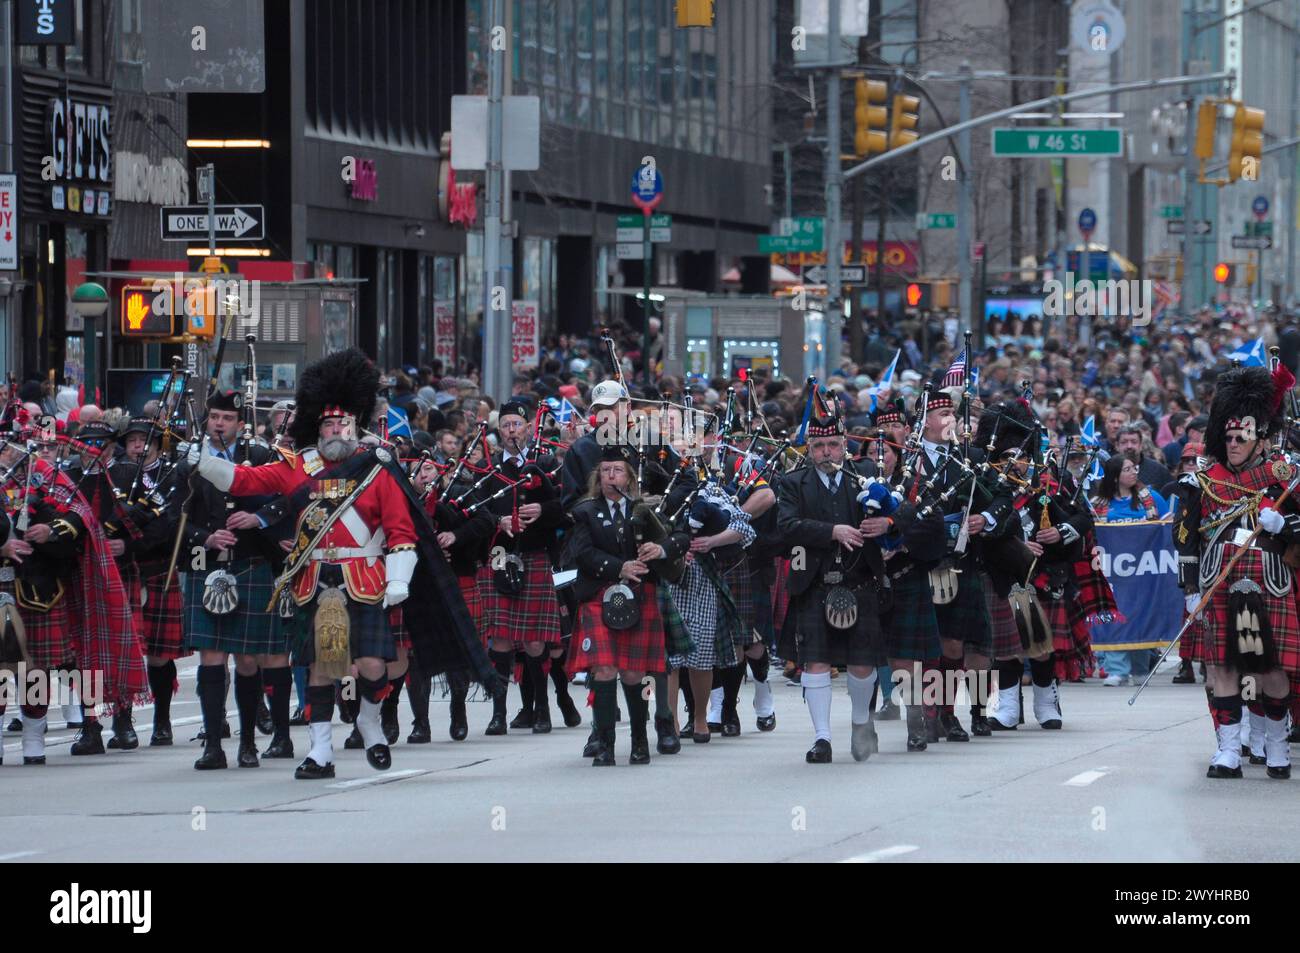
[(102, 627), (1096, 602)]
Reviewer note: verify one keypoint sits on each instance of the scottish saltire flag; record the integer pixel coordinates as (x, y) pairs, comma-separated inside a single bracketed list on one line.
[(566, 411), (399, 425), (1088, 437), (956, 376), (973, 382), (886, 381), (811, 387), (1252, 356)]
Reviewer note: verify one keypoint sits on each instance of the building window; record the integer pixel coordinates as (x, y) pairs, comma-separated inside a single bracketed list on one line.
[(76, 58), (128, 66)]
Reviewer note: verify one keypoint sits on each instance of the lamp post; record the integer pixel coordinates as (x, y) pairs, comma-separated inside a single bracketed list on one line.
[(90, 300)]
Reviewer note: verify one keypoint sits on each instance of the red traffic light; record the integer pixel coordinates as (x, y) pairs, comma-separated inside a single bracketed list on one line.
[(1222, 272), (913, 295)]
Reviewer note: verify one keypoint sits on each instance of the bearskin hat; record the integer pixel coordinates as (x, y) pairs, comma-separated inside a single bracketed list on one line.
[(1242, 393), (1013, 422), (344, 381)]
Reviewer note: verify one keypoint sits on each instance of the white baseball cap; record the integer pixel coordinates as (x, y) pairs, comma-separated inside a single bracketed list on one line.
[(607, 394)]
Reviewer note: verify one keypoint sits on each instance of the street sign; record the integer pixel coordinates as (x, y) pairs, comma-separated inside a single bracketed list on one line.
[(1087, 223), (1056, 141), (977, 251), (520, 139), (631, 228), (1259, 206), (1259, 242), (935, 220), (796, 234), (1171, 211), (849, 274), (1259, 228), (187, 223), (1175, 226), (1096, 267), (631, 251), (8, 223), (1202, 226), (647, 186)]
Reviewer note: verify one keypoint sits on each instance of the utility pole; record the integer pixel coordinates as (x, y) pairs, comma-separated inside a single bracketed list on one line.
[(965, 210), (496, 318), (855, 255), (834, 248), (1191, 288)]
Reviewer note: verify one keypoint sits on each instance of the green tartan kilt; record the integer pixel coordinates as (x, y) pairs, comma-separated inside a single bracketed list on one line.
[(911, 627), (249, 629), (677, 640), (966, 618)]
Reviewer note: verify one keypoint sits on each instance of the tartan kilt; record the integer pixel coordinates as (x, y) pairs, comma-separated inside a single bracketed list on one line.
[(161, 618), (401, 638), (809, 639), (1006, 637), (249, 630), (1071, 637), (1211, 640), (966, 618), (677, 638), (740, 582), (638, 649), (531, 616), (370, 633), (47, 644), (469, 589), (780, 594), (911, 630)]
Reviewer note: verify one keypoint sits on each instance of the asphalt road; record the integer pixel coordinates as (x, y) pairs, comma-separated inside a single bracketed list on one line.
[(1119, 783)]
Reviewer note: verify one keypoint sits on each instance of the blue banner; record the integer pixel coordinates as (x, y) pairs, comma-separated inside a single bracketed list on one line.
[(1140, 561)]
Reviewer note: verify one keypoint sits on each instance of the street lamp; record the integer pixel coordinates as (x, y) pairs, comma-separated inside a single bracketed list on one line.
[(90, 300)]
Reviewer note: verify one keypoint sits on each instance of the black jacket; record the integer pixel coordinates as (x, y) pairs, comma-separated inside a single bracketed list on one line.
[(210, 508), (805, 521), (472, 532), (540, 534), (599, 549)]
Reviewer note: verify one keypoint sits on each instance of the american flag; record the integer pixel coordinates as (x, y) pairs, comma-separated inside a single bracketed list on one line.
[(956, 376)]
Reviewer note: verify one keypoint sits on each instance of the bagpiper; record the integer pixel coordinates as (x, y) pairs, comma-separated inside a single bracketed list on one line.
[(1239, 517), (362, 545)]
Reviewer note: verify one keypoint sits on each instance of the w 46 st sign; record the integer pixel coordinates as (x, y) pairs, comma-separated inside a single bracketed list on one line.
[(1057, 141)]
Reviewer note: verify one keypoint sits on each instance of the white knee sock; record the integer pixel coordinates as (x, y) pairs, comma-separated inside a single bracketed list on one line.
[(715, 705), (860, 690), (763, 706), (33, 736), (322, 742), (369, 723), (817, 693)]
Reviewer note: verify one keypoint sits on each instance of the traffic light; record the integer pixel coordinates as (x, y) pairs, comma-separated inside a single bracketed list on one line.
[(917, 295), (1247, 144), (1207, 118), (1251, 274), (694, 13), (1224, 273), (905, 118), (869, 120), (139, 317)]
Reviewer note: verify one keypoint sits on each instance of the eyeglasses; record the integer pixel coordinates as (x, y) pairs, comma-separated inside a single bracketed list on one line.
[(1238, 440)]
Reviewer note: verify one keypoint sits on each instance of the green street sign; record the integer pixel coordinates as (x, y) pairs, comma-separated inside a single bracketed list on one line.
[(936, 220), (796, 234), (1171, 211), (1057, 141), (638, 221), (1259, 228)]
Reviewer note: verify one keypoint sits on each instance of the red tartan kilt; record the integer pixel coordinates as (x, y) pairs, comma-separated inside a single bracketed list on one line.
[(1211, 630), (47, 643), (160, 618), (1006, 637), (780, 594), (531, 616), (1071, 638), (469, 589), (401, 638), (638, 649)]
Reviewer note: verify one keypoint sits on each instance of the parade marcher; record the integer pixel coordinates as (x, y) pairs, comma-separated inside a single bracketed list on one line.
[(619, 630), (231, 546), (1247, 629), (891, 423), (362, 545), (837, 575), (517, 588)]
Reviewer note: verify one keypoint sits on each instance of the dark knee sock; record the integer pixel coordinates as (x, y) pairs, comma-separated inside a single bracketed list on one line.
[(373, 690), (162, 682), (526, 693), (502, 662), (277, 683), (535, 676), (210, 685), (419, 688), (320, 703), (1226, 709), (35, 711), (662, 711), (1042, 671), (559, 677), (638, 709), (605, 704), (732, 678), (1275, 709), (684, 682), (717, 679), (1256, 708), (1009, 672), (947, 665), (248, 695), (394, 695), (758, 667)]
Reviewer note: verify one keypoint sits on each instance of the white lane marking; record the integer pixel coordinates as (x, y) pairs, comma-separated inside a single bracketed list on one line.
[(1083, 780), (21, 853), (884, 853), (386, 776)]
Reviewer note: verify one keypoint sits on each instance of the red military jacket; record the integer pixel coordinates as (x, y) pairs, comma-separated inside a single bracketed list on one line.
[(375, 523)]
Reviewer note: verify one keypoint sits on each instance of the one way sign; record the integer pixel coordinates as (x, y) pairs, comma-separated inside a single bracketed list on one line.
[(849, 274), (187, 223)]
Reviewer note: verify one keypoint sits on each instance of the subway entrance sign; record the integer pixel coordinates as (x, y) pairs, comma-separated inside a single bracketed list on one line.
[(1056, 141)]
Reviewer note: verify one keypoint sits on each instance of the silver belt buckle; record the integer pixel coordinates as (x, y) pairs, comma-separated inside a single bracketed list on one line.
[(1241, 537), (6, 573), (833, 578)]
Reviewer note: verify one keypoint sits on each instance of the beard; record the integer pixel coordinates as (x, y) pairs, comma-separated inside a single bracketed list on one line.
[(335, 449)]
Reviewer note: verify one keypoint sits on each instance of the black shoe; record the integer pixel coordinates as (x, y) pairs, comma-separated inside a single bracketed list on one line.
[(701, 737), (592, 747), (309, 770), (522, 720), (459, 728), (380, 757), (497, 726), (1279, 774), (40, 759), (162, 735), (420, 734), (281, 746), (265, 723), (766, 722), (953, 730), (1222, 771), (668, 742), (542, 718), (604, 757), (688, 727), (640, 751), (715, 727), (347, 714), (819, 753), (247, 757), (932, 729), (730, 724), (888, 711), (572, 717), (213, 757), (1185, 674), (1294, 737), (298, 719), (354, 741), (16, 725), (90, 740), (916, 733), (124, 736), (1255, 758), (203, 733), (979, 725), (392, 729)]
